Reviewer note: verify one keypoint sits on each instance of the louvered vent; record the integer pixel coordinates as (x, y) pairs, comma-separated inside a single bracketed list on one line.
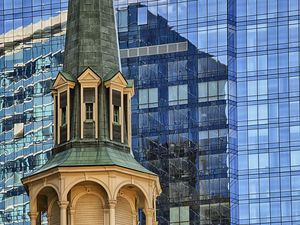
[(123, 212), (89, 211)]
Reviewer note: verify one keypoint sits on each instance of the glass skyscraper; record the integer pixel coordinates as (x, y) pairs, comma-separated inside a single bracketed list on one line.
[(215, 114), (267, 54)]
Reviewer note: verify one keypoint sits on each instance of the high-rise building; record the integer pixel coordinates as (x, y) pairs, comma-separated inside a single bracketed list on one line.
[(267, 54), (215, 114), (182, 59)]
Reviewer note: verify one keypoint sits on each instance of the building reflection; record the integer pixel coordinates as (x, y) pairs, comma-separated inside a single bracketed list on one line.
[(181, 115)]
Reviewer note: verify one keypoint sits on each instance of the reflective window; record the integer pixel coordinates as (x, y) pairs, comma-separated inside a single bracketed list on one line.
[(180, 215), (177, 70), (211, 91), (123, 20), (178, 94), (295, 158), (148, 98), (142, 15)]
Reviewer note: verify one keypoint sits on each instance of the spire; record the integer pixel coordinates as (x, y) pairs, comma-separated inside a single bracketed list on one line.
[(91, 161), (92, 98), (91, 39), (91, 42)]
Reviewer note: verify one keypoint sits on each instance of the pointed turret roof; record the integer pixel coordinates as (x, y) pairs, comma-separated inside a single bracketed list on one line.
[(91, 39)]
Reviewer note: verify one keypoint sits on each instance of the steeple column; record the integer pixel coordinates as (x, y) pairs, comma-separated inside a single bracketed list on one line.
[(112, 212), (63, 212), (150, 216), (33, 217), (33, 212), (106, 215), (134, 218)]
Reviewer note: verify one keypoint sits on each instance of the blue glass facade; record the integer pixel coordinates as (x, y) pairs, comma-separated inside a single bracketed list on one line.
[(268, 111), (215, 114)]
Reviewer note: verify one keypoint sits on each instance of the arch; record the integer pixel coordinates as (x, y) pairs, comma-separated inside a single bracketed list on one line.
[(139, 187), (35, 194), (42, 200), (84, 179)]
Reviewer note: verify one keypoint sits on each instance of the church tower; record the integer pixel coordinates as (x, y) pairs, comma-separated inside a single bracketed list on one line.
[(92, 178)]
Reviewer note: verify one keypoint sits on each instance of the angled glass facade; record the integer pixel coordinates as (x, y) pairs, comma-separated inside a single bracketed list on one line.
[(215, 113), (184, 111), (31, 54)]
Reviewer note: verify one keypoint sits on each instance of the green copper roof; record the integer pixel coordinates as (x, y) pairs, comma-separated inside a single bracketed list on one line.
[(130, 83), (67, 76), (110, 75), (93, 156)]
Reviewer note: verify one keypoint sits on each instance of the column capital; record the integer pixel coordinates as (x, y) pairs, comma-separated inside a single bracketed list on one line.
[(150, 214), (32, 215), (149, 211), (63, 204), (112, 204)]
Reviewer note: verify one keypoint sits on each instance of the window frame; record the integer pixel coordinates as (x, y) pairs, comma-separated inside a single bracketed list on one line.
[(63, 116), (89, 111), (116, 115)]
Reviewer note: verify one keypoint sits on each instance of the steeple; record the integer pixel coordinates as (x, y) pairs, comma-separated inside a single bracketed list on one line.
[(91, 38), (91, 42), (92, 98), (92, 178)]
